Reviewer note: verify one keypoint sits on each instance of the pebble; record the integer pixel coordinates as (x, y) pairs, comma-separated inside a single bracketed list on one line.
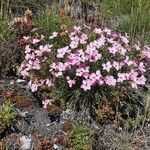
[(25, 142)]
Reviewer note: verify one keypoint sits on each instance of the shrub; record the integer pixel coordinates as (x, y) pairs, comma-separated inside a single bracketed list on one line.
[(85, 66)]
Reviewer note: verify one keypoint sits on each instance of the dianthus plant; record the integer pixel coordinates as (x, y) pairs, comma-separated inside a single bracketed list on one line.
[(84, 62)]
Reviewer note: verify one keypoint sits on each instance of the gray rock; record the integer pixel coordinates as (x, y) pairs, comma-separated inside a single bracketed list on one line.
[(26, 142), (42, 123)]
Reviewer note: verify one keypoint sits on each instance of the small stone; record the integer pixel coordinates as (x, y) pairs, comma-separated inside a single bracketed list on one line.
[(20, 80), (11, 82), (120, 128), (56, 147), (22, 114), (48, 125), (25, 142)]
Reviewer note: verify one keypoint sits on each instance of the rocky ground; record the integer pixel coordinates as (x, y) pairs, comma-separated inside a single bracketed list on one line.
[(38, 129)]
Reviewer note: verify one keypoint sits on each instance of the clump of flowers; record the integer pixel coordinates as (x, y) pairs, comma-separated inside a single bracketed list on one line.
[(84, 61)]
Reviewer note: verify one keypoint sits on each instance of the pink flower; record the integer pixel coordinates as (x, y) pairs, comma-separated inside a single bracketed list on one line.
[(45, 48), (121, 77), (61, 66), (96, 78), (110, 40), (77, 28), (53, 65), (36, 65), (116, 65), (48, 82), (108, 31), (146, 52), (110, 80), (39, 53), (26, 37), (59, 73), (27, 56), (141, 80), (98, 31), (100, 42), (133, 75), (113, 50), (74, 44), (141, 67), (35, 41), (46, 102), (30, 62), (107, 66), (137, 47), (70, 82), (123, 51), (24, 73), (54, 34), (74, 59), (82, 72), (138, 81), (125, 39), (32, 55), (62, 51), (33, 86), (83, 39), (86, 85), (128, 62), (134, 85), (92, 53), (28, 49), (92, 78)]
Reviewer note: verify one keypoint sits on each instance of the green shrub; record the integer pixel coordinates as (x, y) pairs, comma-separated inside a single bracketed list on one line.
[(77, 69)]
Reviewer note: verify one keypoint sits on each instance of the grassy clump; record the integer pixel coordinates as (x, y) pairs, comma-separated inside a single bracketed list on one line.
[(51, 20), (80, 137), (7, 117), (17, 7), (4, 29), (131, 16)]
